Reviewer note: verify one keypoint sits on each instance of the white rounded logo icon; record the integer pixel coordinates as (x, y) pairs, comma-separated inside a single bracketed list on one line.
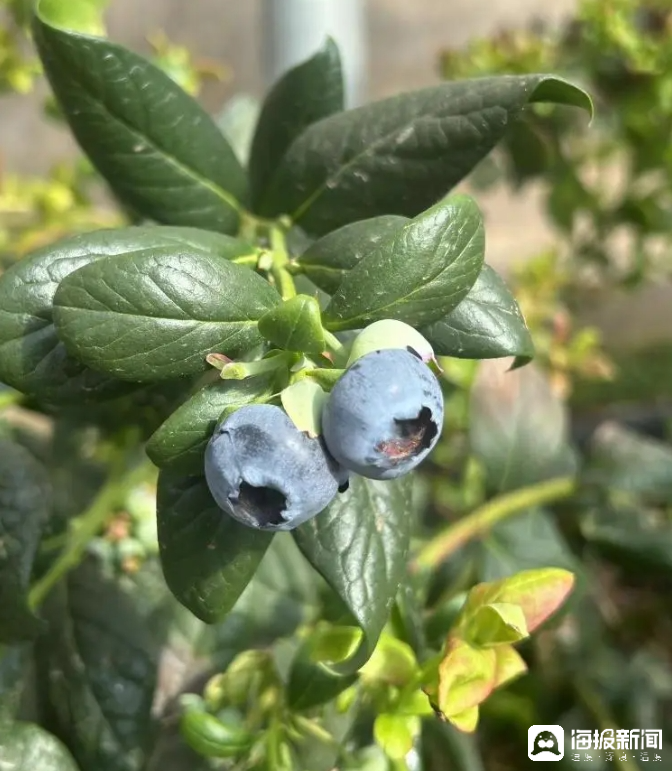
[(546, 742)]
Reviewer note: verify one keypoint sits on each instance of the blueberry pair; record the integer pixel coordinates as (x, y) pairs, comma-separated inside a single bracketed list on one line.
[(382, 418)]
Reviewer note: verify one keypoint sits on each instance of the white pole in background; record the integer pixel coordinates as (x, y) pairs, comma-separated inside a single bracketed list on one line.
[(293, 30)]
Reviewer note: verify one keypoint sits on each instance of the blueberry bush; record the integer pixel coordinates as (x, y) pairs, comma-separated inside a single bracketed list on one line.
[(237, 428)]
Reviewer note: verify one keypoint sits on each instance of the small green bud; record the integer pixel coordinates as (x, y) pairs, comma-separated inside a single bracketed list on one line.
[(212, 738)]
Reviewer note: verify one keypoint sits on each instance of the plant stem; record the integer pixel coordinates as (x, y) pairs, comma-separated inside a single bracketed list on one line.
[(85, 527), (282, 277), (489, 514)]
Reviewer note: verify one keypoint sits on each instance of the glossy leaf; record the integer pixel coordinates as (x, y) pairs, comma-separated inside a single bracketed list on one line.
[(359, 544), (99, 668), (303, 95), (27, 747), (156, 314), (328, 260), (621, 459), (208, 558), (295, 325), (32, 358), (157, 148), (487, 324), (25, 500), (518, 427), (399, 155), (178, 445), (415, 274)]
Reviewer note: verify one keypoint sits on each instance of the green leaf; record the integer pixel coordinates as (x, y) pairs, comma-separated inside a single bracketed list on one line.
[(159, 151), (304, 94), (359, 545), (518, 428), (487, 324), (537, 594), (156, 314), (310, 683), (328, 260), (637, 539), (399, 155), (296, 325), (32, 358), (27, 747), (496, 623), (208, 558), (395, 734), (415, 274), (529, 540), (178, 445), (25, 499), (99, 667), (392, 662), (621, 459)]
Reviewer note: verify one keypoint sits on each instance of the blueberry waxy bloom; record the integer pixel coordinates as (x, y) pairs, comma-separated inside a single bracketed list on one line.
[(265, 473), (384, 414)]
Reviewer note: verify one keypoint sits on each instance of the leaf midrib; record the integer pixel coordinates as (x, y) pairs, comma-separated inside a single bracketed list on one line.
[(186, 171)]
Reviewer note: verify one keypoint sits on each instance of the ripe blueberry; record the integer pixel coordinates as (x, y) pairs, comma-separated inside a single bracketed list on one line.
[(384, 414), (265, 473)]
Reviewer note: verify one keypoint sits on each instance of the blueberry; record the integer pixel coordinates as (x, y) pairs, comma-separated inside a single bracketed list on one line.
[(384, 414), (265, 473)]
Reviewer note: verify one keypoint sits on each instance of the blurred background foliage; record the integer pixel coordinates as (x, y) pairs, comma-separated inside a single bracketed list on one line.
[(566, 462)]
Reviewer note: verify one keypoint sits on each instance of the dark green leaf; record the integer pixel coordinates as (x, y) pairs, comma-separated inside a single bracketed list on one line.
[(526, 541), (327, 261), (637, 539), (99, 667), (159, 151), (208, 558), (416, 274), (179, 444), (156, 314), (487, 324), (359, 545), (295, 325), (32, 358), (621, 459), (308, 92), (399, 155), (27, 747), (518, 427), (25, 499)]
